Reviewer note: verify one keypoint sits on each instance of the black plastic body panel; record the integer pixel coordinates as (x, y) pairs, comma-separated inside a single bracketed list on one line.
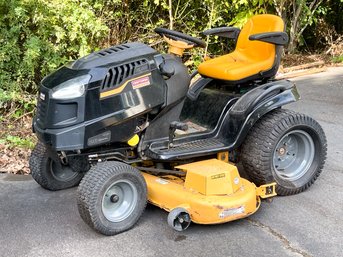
[(196, 88), (230, 131), (251, 99), (112, 56), (178, 83), (159, 126), (52, 113), (61, 139), (79, 123)]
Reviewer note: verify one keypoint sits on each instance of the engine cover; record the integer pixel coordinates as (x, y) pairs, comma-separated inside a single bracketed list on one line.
[(125, 84), (115, 55)]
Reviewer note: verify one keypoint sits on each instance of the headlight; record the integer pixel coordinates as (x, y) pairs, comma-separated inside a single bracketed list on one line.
[(71, 88)]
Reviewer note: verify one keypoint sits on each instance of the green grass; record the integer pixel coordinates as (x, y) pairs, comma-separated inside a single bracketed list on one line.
[(338, 59), (17, 141)]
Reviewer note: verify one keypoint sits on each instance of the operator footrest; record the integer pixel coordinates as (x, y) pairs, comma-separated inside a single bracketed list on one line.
[(197, 145)]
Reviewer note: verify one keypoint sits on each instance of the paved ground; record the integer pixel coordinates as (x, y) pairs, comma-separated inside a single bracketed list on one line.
[(36, 222)]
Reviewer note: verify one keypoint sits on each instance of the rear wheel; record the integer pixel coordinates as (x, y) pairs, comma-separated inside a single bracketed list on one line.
[(286, 147), (112, 197), (49, 172)]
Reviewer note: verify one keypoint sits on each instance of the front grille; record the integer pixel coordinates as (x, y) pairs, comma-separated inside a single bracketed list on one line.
[(118, 74), (41, 112)]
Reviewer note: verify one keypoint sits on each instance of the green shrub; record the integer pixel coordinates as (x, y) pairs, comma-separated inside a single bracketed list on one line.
[(16, 104), (37, 36)]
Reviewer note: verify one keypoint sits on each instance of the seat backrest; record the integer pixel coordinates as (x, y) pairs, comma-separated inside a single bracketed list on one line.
[(258, 50)]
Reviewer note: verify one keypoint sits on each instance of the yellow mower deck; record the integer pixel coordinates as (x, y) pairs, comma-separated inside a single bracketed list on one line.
[(212, 192)]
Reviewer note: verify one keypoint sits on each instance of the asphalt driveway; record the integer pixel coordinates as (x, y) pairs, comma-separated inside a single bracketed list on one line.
[(36, 222)]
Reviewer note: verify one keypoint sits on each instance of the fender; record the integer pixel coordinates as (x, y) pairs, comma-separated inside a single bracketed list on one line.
[(249, 101), (195, 89), (240, 120)]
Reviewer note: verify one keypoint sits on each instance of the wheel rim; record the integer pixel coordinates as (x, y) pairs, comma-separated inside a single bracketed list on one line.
[(62, 172), (293, 155), (119, 200)]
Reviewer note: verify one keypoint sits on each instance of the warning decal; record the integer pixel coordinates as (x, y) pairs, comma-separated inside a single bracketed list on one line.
[(141, 82), (221, 175)]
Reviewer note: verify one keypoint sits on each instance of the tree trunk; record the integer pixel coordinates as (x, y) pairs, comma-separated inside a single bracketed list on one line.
[(300, 20), (170, 15), (297, 10)]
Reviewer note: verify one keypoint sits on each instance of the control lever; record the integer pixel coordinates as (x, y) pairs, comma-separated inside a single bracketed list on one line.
[(174, 126)]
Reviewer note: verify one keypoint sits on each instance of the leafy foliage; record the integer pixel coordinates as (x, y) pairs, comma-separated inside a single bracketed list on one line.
[(38, 36), (17, 141), (15, 105)]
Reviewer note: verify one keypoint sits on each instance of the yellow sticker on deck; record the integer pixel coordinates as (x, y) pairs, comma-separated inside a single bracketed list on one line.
[(221, 175)]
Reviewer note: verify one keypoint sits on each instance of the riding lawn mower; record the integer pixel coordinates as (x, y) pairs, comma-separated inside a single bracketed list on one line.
[(127, 125)]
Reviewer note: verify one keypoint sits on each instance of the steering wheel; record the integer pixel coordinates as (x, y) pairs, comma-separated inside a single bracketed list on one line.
[(178, 36)]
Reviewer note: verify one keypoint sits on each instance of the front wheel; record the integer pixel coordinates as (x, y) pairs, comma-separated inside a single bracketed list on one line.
[(286, 147), (49, 172), (111, 197)]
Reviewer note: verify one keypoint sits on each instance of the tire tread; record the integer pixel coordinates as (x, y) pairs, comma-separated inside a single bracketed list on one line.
[(38, 163), (257, 149), (87, 193)]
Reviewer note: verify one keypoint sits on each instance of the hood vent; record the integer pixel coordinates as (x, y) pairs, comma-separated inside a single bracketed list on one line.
[(117, 75), (113, 49), (114, 56)]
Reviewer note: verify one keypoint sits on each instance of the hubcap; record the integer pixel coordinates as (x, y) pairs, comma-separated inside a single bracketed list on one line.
[(293, 155), (114, 198), (62, 172), (119, 200)]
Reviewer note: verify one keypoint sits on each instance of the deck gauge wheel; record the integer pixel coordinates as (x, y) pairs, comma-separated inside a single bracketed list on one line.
[(179, 219)]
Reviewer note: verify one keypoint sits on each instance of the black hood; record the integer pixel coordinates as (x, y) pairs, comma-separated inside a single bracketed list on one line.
[(112, 56)]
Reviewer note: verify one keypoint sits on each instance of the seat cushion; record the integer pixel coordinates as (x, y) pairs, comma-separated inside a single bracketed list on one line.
[(234, 66), (249, 57)]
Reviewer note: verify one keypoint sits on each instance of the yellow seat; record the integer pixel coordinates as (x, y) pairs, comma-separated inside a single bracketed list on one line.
[(250, 59)]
